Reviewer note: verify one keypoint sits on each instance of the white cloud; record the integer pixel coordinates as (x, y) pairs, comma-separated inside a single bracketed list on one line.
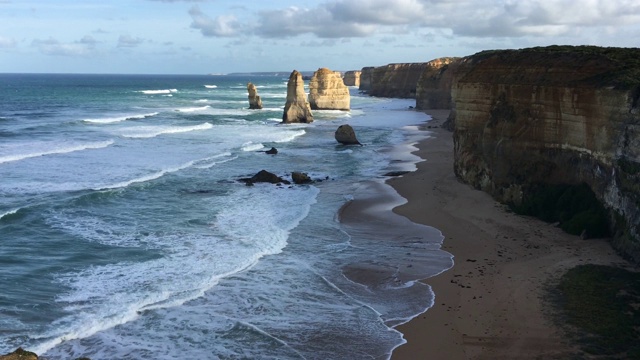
[(221, 26), (129, 41), (51, 46), (471, 18), (6, 42)]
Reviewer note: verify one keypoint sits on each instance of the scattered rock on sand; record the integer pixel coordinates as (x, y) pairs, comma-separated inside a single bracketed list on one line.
[(345, 135)]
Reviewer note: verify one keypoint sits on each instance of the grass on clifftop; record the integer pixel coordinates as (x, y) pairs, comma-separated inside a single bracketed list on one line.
[(624, 70), (603, 304)]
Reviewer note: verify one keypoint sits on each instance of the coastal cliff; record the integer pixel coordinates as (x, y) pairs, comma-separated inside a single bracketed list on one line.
[(396, 80), (327, 91), (433, 90), (366, 78), (531, 118)]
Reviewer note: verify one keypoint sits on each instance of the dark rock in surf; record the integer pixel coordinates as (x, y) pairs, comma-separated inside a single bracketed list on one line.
[(264, 176), (272, 151), (345, 135), (300, 178)]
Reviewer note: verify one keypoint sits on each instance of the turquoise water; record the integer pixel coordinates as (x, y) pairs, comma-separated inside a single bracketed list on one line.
[(124, 233)]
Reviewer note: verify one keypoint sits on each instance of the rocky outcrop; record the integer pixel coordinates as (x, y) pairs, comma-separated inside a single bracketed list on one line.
[(346, 135), (327, 91), (264, 176), (352, 78), (19, 354), (254, 100), (296, 109), (396, 80), (554, 115), (366, 78), (300, 178), (433, 90)]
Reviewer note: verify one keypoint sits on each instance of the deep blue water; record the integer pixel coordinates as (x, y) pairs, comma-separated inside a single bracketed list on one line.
[(124, 233)]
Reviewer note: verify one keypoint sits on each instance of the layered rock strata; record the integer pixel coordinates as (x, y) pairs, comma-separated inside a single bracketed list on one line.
[(554, 115), (254, 100), (433, 90), (366, 78), (327, 91), (352, 78), (296, 109), (396, 80)]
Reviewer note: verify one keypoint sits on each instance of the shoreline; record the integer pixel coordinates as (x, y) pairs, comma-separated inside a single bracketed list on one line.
[(491, 303)]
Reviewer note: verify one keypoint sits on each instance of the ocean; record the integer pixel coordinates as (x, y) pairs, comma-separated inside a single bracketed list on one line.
[(124, 233)]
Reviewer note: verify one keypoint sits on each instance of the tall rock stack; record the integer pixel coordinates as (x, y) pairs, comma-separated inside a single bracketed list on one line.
[(296, 109), (352, 78), (327, 91), (254, 100)]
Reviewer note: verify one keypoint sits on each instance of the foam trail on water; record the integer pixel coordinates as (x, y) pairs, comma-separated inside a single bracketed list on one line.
[(211, 86), (155, 92), (144, 132), (10, 212), (193, 109), (290, 136), (250, 146), (59, 150), (119, 118)]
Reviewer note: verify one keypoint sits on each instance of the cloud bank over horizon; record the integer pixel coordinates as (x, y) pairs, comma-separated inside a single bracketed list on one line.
[(191, 35)]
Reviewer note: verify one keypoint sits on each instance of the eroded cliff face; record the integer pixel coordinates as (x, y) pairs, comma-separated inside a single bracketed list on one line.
[(352, 78), (433, 90), (553, 115), (327, 91), (366, 78), (396, 80)]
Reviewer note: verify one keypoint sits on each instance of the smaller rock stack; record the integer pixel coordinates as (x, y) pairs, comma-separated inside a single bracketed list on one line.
[(254, 100), (352, 78)]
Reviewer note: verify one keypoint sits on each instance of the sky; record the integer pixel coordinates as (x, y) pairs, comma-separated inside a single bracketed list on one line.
[(224, 36)]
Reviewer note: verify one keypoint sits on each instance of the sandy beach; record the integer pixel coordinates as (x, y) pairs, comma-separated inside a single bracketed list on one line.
[(492, 303)]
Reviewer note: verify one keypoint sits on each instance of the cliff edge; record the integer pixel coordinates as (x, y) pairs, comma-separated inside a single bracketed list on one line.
[(560, 115)]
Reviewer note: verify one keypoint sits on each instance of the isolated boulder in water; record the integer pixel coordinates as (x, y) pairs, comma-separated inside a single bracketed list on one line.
[(272, 151), (264, 176), (300, 178), (19, 354), (254, 100), (296, 109), (345, 135)]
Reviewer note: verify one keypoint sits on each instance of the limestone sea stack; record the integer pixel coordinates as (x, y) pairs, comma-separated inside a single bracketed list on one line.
[(352, 78), (254, 100), (296, 109), (366, 78), (327, 91)]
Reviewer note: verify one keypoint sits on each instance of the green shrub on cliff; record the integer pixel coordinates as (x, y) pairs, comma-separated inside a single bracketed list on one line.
[(602, 303), (575, 207)]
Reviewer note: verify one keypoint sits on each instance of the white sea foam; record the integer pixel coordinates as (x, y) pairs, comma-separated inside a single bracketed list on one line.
[(144, 132), (214, 160), (103, 296), (114, 119), (289, 136), (193, 109), (211, 86), (10, 212), (250, 146), (158, 92), (56, 148)]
